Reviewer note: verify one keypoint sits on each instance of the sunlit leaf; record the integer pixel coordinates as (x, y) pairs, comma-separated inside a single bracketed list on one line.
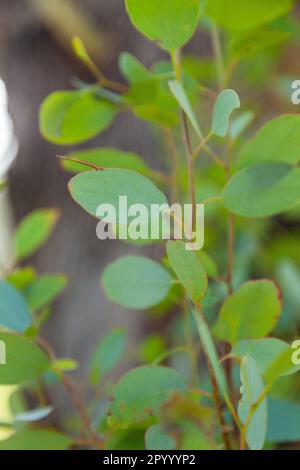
[(188, 268), (232, 15), (250, 313), (33, 231), (24, 360), (71, 117), (252, 389), (171, 23), (44, 290)]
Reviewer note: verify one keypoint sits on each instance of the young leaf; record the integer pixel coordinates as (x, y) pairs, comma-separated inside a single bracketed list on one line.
[(169, 22), (226, 103), (14, 313), (36, 439), (33, 231), (136, 282), (21, 277), (24, 360), (71, 117), (44, 290), (181, 96), (141, 392), (264, 352), (263, 190), (157, 439), (132, 69), (232, 15), (105, 158), (251, 312), (276, 141), (188, 268), (252, 389), (107, 355)]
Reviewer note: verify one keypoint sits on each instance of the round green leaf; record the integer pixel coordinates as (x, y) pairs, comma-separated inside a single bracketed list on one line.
[(233, 15), (141, 392), (188, 268), (33, 231), (169, 22), (24, 360), (251, 312), (136, 282), (263, 190), (14, 313), (106, 158), (276, 141), (226, 103), (71, 117), (93, 188)]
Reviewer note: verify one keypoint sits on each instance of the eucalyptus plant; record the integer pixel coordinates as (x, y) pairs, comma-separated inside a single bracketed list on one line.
[(221, 376)]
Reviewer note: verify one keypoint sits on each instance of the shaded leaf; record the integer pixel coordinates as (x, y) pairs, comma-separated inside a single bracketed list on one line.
[(136, 282), (157, 439), (141, 392), (108, 353), (232, 15), (14, 313), (263, 190)]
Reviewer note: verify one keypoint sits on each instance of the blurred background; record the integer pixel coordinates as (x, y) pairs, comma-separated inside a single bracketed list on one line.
[(35, 59)]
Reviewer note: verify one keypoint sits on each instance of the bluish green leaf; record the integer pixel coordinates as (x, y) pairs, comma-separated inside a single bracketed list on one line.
[(226, 103), (14, 313), (108, 353), (263, 190), (136, 282), (252, 389)]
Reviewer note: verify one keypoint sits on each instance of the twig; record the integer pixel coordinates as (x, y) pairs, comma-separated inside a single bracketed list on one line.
[(81, 162), (72, 392)]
